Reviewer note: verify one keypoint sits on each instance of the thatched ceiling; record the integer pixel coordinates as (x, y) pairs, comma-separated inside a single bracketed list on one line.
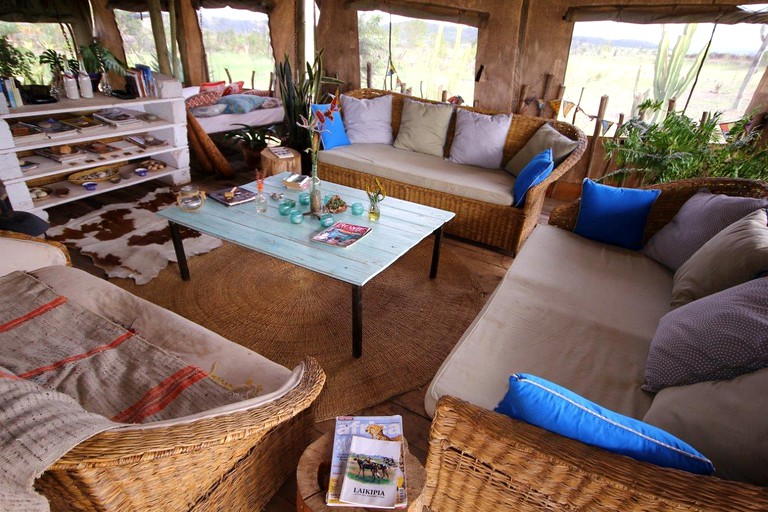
[(670, 13), (141, 5)]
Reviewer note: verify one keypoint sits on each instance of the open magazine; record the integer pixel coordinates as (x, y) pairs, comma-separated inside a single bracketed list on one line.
[(384, 428), (341, 234)]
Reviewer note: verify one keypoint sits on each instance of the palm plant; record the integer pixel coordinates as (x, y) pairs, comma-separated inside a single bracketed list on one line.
[(15, 62), (98, 59)]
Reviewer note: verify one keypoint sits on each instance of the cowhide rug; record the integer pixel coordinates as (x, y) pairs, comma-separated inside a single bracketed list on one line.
[(128, 239)]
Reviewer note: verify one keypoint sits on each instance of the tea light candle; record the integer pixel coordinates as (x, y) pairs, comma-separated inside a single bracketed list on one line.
[(357, 208), (297, 217), (304, 198), (326, 220)]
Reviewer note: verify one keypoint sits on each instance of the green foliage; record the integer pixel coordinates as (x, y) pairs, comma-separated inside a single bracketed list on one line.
[(57, 62), (669, 80), (97, 59), (255, 138), (679, 148), (298, 95), (15, 62)]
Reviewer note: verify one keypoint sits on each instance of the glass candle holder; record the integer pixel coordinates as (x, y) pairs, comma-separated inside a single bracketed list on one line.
[(190, 198), (297, 217), (326, 220), (286, 206), (304, 198), (357, 208)]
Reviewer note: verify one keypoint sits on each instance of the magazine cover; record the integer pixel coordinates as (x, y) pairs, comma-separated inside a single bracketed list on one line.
[(341, 234), (232, 196), (54, 128), (385, 428), (115, 116), (100, 148), (370, 479), (83, 123)]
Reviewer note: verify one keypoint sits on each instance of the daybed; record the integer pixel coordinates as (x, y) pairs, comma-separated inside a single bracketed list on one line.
[(480, 197), (228, 122), (232, 458), (582, 314)]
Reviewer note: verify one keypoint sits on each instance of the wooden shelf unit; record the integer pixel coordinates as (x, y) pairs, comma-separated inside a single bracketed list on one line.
[(170, 125)]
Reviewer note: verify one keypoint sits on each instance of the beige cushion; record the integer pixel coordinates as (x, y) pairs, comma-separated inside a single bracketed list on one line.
[(26, 255), (734, 256), (423, 127), (545, 137), (489, 185), (725, 420), (573, 311)]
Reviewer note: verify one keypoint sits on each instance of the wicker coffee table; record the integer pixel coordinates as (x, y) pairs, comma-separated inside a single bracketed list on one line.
[(314, 470)]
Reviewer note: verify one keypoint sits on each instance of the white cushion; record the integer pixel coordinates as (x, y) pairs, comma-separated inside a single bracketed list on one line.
[(28, 255), (479, 139), (368, 121), (489, 185)]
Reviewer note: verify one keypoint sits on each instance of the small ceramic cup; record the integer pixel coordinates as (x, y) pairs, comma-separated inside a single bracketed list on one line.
[(141, 171), (286, 206), (90, 185), (357, 208), (297, 217), (326, 220), (304, 198)]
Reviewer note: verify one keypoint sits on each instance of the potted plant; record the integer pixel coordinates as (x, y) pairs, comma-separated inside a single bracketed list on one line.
[(15, 62), (251, 140), (678, 147), (98, 60)]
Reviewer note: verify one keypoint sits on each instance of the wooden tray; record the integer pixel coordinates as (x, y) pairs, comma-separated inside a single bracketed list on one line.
[(81, 177)]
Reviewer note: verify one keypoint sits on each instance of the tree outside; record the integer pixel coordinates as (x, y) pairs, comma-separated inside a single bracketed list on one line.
[(36, 38)]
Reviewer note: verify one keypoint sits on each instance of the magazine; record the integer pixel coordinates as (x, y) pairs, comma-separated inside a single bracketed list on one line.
[(281, 152), (27, 165), (145, 141), (386, 428), (23, 132), (232, 196), (83, 124), (62, 154), (100, 148), (371, 475), (55, 129), (115, 117), (341, 234)]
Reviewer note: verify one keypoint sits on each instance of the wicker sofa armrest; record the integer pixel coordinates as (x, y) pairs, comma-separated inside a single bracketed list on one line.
[(673, 195), (27, 253), (481, 460)]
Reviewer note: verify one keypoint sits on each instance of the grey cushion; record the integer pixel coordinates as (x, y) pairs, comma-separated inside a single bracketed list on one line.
[(368, 121), (718, 337), (545, 137), (701, 217), (479, 139), (734, 256), (423, 127)]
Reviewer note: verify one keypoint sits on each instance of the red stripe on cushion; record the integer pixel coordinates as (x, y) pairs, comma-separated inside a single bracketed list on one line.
[(9, 376), (58, 301), (57, 364), (158, 398)]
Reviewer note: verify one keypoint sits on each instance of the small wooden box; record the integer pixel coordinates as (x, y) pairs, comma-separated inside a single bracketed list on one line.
[(272, 165)]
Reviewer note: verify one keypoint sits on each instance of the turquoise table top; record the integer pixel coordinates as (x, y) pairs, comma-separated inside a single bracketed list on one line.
[(401, 227)]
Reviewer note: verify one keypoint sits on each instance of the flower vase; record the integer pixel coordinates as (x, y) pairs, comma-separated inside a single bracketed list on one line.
[(374, 213), (315, 195)]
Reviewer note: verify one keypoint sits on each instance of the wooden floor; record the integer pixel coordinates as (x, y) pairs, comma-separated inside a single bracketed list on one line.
[(486, 265)]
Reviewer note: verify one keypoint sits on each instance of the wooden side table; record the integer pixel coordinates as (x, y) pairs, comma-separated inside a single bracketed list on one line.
[(314, 470), (272, 165)]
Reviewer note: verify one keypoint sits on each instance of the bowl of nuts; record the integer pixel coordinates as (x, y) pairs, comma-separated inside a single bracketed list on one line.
[(153, 165), (39, 193)]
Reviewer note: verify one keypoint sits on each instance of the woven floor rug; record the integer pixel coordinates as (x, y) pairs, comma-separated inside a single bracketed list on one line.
[(284, 312), (128, 239)]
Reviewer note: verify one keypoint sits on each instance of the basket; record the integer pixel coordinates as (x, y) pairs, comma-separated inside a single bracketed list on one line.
[(94, 174)]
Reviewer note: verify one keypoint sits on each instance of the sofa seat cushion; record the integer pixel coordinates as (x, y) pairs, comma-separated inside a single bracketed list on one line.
[(232, 363), (427, 171), (573, 311), (725, 420)]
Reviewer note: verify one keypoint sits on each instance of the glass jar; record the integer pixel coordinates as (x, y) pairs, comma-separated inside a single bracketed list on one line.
[(190, 198)]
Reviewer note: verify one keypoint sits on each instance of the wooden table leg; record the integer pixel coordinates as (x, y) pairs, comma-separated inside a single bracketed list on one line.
[(178, 246), (436, 252), (357, 321)]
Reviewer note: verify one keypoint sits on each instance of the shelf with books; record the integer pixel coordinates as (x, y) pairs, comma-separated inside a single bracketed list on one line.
[(160, 118)]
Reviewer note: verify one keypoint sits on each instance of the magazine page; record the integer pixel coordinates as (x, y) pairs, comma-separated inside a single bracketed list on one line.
[(370, 479), (386, 428), (232, 196), (341, 234)]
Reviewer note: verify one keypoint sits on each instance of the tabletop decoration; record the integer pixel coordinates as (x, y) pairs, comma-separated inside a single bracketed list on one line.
[(375, 196), (315, 124)]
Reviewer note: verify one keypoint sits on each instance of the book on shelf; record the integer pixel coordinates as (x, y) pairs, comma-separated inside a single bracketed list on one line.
[(382, 428), (55, 129), (100, 148), (297, 182), (27, 165), (281, 152), (145, 141), (25, 132), (370, 478), (62, 154), (341, 234), (115, 117), (83, 124), (232, 196), (148, 79)]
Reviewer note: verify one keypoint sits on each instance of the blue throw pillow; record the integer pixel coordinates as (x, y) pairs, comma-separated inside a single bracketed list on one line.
[(333, 134), (532, 174), (614, 215), (240, 103), (552, 407)]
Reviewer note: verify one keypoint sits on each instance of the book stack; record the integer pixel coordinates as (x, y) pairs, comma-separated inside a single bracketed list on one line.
[(83, 124), (62, 154), (55, 129), (297, 182), (140, 82), (145, 141), (11, 92), (115, 116), (368, 463), (24, 132), (100, 148)]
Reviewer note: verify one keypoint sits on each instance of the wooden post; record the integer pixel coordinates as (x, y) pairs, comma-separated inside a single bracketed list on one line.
[(158, 32), (444, 96), (521, 100), (671, 105), (402, 87), (578, 106), (547, 82), (616, 137), (704, 118), (368, 74), (105, 28), (476, 104), (191, 44), (174, 41), (596, 134)]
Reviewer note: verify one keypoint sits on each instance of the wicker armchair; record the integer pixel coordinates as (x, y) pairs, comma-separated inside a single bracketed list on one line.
[(233, 462), (481, 460), (505, 227)]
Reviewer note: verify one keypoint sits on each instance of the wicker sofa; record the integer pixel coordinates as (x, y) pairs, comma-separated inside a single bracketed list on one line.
[(233, 458), (582, 314), (498, 225)]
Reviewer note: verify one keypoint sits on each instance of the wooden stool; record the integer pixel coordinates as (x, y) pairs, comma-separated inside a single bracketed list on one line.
[(315, 467), (272, 165)]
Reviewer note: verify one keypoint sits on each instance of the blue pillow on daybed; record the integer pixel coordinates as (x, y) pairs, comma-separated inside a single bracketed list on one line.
[(552, 407), (333, 134), (532, 174), (241, 103), (614, 215)]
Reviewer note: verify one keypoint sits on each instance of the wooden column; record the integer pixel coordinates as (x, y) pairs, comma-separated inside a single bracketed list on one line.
[(337, 36), (191, 47), (596, 136), (105, 29), (158, 32), (282, 30)]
